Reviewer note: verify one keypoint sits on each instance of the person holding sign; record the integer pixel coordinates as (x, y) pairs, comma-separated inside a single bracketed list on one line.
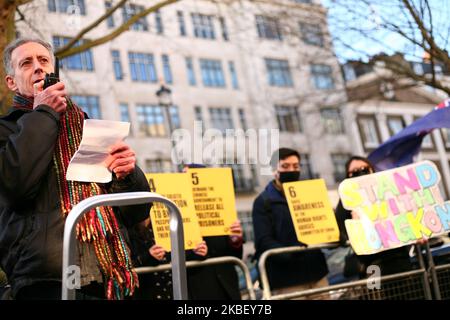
[(156, 285), (273, 227), (391, 261), (217, 282)]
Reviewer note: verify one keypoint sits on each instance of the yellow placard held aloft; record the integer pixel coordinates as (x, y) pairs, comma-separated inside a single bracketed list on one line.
[(176, 187), (311, 211), (214, 200)]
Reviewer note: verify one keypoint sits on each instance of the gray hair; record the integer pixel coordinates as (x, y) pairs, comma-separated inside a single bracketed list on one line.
[(7, 63)]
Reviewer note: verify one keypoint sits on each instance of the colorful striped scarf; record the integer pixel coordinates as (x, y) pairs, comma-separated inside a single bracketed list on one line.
[(99, 226)]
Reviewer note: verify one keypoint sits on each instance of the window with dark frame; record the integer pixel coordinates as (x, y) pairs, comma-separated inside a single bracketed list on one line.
[(322, 76), (158, 166), (332, 120), (130, 10), (142, 67), (312, 34), (221, 119), (181, 23), (278, 73), (159, 22), (288, 119), (110, 20), (89, 104), (81, 61), (117, 64), (339, 160), (395, 124), (203, 26), (67, 6), (212, 73), (368, 130), (268, 28)]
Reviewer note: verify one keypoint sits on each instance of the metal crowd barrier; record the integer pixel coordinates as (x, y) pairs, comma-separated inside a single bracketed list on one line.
[(124, 199), (443, 278), (208, 262), (404, 286)]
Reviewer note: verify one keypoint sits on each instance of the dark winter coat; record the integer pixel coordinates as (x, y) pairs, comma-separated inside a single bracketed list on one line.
[(273, 228), (31, 223), (215, 282)]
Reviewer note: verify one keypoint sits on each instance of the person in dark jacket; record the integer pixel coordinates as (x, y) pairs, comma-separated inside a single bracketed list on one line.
[(390, 261), (273, 228), (37, 140)]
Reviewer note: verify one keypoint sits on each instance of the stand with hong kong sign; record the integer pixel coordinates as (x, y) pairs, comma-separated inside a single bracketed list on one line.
[(395, 207), (214, 200), (311, 211), (176, 187)]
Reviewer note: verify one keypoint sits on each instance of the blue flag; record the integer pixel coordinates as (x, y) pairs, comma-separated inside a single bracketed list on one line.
[(401, 148)]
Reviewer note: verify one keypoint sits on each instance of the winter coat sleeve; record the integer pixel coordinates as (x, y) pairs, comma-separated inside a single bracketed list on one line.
[(263, 228), (26, 154)]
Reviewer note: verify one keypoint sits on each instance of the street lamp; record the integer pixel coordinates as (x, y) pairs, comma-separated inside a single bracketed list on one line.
[(164, 95)]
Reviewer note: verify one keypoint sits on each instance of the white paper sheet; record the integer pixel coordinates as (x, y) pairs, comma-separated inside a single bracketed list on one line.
[(87, 164)]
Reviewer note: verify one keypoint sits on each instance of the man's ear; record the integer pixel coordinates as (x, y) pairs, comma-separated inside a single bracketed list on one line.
[(11, 83)]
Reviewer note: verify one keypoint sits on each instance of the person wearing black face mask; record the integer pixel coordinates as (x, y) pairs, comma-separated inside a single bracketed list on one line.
[(273, 228), (390, 261)]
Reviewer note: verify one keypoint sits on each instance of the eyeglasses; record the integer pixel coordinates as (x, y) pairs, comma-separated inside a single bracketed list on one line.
[(359, 172)]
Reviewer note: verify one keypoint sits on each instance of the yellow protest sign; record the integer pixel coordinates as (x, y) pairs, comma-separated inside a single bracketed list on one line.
[(311, 211), (213, 193), (176, 187)]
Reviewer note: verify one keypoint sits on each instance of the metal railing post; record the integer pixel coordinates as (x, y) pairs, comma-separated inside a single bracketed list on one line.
[(266, 254), (432, 268), (425, 275), (123, 199)]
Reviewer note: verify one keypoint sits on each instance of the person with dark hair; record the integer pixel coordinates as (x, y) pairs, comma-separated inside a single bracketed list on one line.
[(390, 261), (38, 137), (274, 228)]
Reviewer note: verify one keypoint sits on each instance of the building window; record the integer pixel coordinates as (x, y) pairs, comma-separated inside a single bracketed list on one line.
[(110, 20), (302, 1), (130, 10), (199, 116), (89, 104), (306, 172), (288, 119), (395, 124), (67, 6), (159, 22), (158, 166), (221, 119), (203, 26), (190, 71), (234, 79), (242, 119), (82, 61), (151, 120), (124, 112), (181, 23), (268, 28), (212, 73), (322, 76), (241, 183), (223, 25), (339, 161), (166, 69), (175, 117), (117, 64), (332, 120), (312, 34), (142, 67), (368, 130), (279, 73)]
